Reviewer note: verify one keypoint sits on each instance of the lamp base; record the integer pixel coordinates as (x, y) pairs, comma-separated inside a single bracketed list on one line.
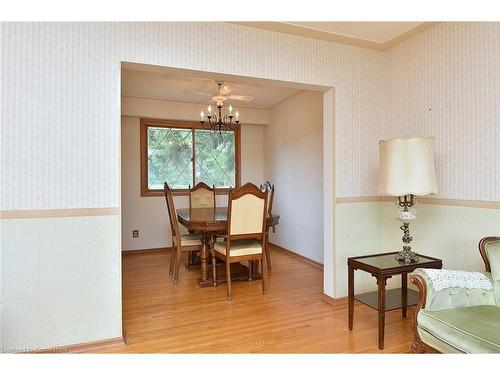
[(406, 255), (406, 214)]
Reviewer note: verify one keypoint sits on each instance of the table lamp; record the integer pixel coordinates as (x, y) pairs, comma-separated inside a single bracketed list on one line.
[(406, 171)]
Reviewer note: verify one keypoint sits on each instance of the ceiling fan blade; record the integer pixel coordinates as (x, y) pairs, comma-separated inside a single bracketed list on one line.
[(244, 98), (201, 93)]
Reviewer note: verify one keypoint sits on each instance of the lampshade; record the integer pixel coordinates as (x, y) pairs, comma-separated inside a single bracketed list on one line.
[(407, 167)]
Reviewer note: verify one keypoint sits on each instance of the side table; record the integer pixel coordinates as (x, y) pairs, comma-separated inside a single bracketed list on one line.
[(382, 267)]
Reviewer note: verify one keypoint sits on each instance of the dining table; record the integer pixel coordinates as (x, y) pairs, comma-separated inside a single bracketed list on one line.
[(209, 221)]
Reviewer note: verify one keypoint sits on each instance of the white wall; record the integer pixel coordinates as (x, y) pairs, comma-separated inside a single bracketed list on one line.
[(60, 282), (1, 291), (294, 164), (329, 262), (1, 102), (148, 214), (62, 86), (450, 233), (445, 83), (358, 231)]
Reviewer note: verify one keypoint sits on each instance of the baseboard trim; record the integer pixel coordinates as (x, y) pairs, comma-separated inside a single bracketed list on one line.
[(333, 301), (147, 251), (85, 347), (301, 257)]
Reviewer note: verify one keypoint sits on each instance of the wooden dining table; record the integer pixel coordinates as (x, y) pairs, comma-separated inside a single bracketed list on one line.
[(208, 221)]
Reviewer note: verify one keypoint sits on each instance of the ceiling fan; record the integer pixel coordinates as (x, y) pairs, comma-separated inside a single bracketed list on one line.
[(222, 119), (224, 93)]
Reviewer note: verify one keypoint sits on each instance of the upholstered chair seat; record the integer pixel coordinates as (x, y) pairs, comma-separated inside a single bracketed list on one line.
[(189, 240), (239, 247)]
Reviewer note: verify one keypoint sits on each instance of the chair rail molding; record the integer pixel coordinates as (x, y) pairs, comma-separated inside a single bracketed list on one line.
[(69, 212), (435, 201)]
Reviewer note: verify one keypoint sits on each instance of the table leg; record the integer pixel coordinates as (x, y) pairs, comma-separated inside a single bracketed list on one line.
[(381, 281), (255, 267), (204, 281), (404, 293), (351, 296)]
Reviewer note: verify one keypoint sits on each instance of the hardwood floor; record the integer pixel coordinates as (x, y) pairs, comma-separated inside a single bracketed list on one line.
[(160, 317)]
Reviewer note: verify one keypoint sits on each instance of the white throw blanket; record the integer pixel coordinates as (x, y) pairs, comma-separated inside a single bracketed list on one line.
[(444, 279)]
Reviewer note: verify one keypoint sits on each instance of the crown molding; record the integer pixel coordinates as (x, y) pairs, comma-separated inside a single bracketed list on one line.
[(286, 28), (424, 26)]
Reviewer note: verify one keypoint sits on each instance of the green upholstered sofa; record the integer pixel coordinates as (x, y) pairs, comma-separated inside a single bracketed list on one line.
[(459, 320)]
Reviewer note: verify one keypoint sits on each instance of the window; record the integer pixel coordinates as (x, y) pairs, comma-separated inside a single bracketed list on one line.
[(183, 153)]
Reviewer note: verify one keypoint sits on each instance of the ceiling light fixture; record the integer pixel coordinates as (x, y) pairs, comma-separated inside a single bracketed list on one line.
[(218, 120)]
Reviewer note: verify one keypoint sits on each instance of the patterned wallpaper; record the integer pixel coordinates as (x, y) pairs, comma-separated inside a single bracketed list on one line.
[(60, 106), (61, 99), (446, 83)]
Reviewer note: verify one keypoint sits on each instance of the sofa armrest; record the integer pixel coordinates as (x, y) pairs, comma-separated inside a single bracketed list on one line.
[(433, 299)]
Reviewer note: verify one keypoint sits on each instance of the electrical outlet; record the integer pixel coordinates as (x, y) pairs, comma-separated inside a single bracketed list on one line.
[(135, 233)]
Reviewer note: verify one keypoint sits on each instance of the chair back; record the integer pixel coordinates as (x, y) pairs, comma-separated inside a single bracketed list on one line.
[(486, 242), (202, 196), (247, 212), (172, 215), (266, 186)]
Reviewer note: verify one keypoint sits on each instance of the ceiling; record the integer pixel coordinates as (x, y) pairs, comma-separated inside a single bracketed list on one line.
[(156, 83), (379, 32), (373, 35)]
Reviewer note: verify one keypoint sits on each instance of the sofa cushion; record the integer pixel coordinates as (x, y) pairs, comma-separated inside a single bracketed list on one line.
[(472, 329), (436, 343), (496, 287), (493, 252)]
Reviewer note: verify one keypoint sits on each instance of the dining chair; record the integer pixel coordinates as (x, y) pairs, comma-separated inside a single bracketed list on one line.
[(202, 196), (266, 186), (244, 241), (181, 243)]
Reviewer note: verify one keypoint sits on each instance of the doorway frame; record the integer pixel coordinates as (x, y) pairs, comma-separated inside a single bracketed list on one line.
[(329, 159)]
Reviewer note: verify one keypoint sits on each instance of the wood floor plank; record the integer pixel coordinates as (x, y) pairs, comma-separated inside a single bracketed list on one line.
[(160, 317)]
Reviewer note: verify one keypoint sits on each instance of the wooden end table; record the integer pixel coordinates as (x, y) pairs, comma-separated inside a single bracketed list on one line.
[(382, 267)]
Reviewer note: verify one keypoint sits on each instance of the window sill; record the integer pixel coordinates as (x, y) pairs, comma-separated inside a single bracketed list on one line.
[(178, 192)]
